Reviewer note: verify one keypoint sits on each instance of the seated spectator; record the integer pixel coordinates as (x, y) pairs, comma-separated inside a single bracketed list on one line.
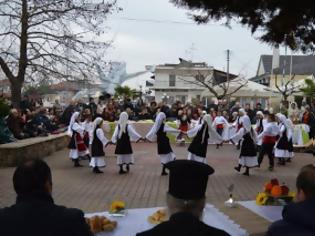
[(186, 201), (298, 218), (144, 114), (35, 212), (41, 119), (15, 124)]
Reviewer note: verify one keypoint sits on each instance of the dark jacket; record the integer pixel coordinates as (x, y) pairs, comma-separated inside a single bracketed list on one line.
[(183, 224), (37, 215), (298, 220)]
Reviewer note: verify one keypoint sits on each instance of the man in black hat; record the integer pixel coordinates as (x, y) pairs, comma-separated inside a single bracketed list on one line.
[(186, 201)]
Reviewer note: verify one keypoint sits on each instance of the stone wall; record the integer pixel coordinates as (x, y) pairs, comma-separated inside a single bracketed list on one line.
[(11, 154)]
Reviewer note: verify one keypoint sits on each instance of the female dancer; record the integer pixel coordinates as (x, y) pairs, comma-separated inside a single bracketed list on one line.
[(158, 132), (99, 142), (203, 134), (123, 134), (76, 145)]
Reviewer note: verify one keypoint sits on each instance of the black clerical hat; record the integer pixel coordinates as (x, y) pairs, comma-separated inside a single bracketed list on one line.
[(188, 179)]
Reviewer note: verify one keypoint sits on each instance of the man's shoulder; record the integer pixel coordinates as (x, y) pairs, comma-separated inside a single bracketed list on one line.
[(68, 213), (167, 228)]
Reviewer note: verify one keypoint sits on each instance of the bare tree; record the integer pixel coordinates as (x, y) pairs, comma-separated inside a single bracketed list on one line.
[(219, 89), (287, 88), (51, 39)]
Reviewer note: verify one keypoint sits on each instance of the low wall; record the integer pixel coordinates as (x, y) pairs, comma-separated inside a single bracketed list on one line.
[(11, 154)]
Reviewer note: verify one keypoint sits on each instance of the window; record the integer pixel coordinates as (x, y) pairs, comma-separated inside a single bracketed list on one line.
[(172, 80)]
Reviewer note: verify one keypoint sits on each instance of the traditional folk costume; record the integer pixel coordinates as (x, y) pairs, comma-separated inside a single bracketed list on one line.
[(88, 134), (291, 131), (202, 133), (158, 133), (282, 149), (76, 145), (245, 134), (123, 134), (183, 123), (99, 142), (261, 123), (220, 123), (269, 137)]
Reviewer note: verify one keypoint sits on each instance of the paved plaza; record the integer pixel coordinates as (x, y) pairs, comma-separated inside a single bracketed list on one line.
[(143, 186)]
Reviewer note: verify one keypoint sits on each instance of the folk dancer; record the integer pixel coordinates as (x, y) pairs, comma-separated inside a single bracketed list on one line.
[(220, 123), (269, 137), (291, 129), (245, 134), (183, 123), (123, 134), (261, 122), (76, 145), (159, 132), (99, 142), (282, 152), (88, 129), (203, 134)]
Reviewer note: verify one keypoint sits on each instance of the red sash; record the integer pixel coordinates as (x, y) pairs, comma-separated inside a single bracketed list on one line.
[(80, 143), (270, 139), (220, 126), (239, 126)]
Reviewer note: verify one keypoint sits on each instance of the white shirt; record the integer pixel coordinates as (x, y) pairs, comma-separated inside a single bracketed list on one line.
[(271, 129)]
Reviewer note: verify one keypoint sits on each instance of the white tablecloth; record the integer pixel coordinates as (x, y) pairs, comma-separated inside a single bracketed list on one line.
[(298, 136), (136, 221), (270, 213)]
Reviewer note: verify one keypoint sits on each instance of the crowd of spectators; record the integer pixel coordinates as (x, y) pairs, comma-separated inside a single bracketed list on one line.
[(33, 119)]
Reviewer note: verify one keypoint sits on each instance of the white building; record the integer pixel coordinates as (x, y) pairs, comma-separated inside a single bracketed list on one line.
[(177, 82)]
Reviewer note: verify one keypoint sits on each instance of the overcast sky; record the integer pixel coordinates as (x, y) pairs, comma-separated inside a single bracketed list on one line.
[(141, 41)]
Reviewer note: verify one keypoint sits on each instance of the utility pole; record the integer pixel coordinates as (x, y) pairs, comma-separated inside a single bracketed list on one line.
[(228, 52)]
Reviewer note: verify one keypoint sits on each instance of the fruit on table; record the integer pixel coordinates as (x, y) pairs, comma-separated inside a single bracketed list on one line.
[(285, 190), (100, 223), (276, 191), (274, 182)]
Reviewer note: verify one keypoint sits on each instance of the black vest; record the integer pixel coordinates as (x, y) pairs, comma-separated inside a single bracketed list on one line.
[(123, 145), (163, 141), (248, 148), (283, 142), (97, 146), (198, 147)]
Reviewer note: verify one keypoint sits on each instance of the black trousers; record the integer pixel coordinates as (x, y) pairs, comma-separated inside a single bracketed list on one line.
[(266, 148), (220, 131)]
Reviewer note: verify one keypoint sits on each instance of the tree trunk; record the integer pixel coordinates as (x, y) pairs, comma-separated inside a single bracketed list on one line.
[(16, 91)]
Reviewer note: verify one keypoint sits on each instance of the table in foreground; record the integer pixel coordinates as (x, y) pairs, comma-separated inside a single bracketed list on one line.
[(136, 221)]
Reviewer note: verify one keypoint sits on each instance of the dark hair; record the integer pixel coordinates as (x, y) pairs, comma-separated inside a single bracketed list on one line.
[(306, 181), (272, 117), (31, 176)]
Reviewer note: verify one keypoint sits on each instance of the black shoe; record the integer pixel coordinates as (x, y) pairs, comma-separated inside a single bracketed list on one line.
[(246, 173), (127, 168), (289, 160), (96, 170), (237, 168), (121, 172), (164, 173), (76, 163)]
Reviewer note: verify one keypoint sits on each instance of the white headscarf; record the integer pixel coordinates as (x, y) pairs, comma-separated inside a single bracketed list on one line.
[(122, 122), (207, 119), (97, 122), (260, 113), (73, 119), (242, 111), (159, 120), (283, 120)]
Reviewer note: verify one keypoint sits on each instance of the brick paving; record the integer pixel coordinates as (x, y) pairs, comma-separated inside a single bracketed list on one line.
[(143, 186)]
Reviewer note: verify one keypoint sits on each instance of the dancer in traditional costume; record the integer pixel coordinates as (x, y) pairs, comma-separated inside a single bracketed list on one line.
[(220, 123), (291, 131), (282, 152), (245, 134), (269, 137), (123, 134), (158, 133), (76, 145), (88, 129), (203, 134), (99, 142), (261, 123), (183, 123)]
